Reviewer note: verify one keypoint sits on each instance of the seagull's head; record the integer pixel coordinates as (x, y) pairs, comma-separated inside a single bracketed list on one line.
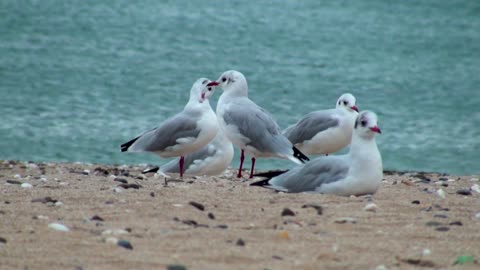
[(201, 90), (366, 125), (232, 81), (347, 101)]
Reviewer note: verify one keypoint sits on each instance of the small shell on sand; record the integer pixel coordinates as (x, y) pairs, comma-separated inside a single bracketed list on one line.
[(441, 193), (114, 232), (26, 185), (111, 240), (58, 227), (371, 207)]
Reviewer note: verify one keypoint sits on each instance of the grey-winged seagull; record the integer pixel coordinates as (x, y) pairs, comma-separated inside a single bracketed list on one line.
[(183, 133), (248, 126), (359, 172), (212, 159), (326, 131)]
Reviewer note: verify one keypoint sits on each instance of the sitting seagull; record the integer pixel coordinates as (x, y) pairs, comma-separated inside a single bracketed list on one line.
[(212, 159), (327, 131), (357, 173), (248, 126), (185, 132)]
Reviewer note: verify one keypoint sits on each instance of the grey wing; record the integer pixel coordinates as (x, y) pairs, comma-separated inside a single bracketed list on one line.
[(258, 126), (182, 125), (309, 177), (203, 153), (310, 125)]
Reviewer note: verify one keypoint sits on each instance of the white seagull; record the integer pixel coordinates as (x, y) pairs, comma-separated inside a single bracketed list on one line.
[(326, 131), (248, 126), (357, 173), (185, 132), (212, 159)]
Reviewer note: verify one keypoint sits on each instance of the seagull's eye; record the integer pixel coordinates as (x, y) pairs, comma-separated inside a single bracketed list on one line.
[(364, 123), (345, 103), (209, 89), (224, 79)]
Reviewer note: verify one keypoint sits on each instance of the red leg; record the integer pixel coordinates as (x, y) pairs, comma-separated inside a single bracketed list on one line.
[(253, 167), (181, 166), (242, 157)]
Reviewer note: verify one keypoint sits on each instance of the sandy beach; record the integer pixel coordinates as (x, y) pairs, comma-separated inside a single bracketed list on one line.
[(117, 218)]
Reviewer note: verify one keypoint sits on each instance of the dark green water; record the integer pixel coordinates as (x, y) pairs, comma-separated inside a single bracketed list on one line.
[(77, 78)]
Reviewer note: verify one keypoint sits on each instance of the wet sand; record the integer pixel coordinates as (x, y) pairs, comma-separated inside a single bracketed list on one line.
[(223, 223)]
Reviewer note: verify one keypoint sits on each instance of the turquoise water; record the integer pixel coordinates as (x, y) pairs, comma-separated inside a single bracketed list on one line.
[(78, 78)]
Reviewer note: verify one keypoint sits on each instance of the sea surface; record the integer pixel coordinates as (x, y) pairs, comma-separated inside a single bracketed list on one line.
[(78, 78)]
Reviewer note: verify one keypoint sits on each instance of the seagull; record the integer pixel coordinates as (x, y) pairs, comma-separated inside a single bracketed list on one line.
[(212, 159), (359, 172), (248, 126), (327, 131), (183, 133)]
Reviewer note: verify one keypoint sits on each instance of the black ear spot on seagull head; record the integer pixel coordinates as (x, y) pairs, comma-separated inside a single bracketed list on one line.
[(204, 81)]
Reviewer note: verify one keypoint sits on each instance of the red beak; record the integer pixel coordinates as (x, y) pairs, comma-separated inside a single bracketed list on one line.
[(214, 83), (354, 108), (376, 129)]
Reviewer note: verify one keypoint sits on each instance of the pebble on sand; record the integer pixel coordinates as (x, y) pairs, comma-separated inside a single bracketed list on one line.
[(58, 227), (125, 244), (284, 235), (442, 229), (97, 218), (287, 212), (197, 205), (240, 242), (465, 192), (176, 267), (14, 182), (344, 220)]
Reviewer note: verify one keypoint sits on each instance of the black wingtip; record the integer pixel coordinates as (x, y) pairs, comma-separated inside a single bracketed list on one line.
[(269, 175), (151, 170), (260, 183), (124, 147), (302, 157)]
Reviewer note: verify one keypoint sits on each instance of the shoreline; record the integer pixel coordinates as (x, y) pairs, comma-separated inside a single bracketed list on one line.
[(221, 222), (385, 171)]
